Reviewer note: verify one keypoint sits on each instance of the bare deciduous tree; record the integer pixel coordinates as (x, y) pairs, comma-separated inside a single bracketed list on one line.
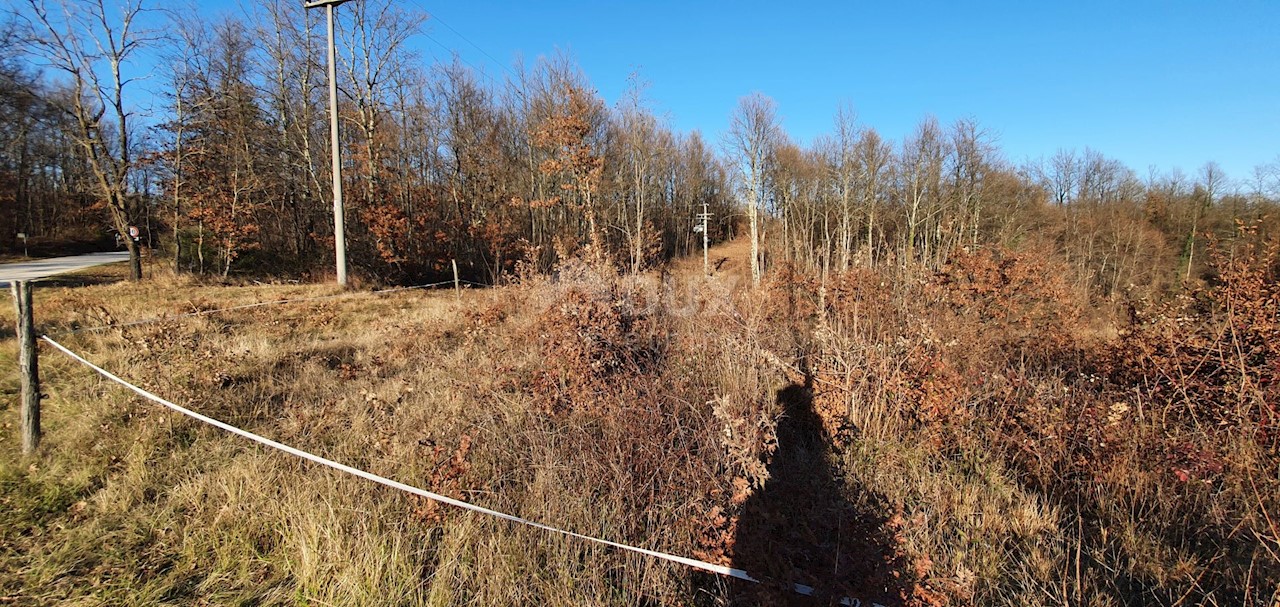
[(1210, 185), (753, 134), (91, 46), (923, 155)]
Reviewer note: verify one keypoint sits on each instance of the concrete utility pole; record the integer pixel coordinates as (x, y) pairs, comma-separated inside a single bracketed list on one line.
[(339, 220), (705, 215)]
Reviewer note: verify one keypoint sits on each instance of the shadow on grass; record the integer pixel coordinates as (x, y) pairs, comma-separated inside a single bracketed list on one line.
[(807, 526)]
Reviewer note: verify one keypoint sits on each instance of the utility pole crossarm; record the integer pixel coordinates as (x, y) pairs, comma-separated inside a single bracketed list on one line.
[(320, 3)]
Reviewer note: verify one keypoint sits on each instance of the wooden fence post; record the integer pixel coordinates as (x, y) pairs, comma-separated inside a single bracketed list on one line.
[(457, 286), (28, 368)]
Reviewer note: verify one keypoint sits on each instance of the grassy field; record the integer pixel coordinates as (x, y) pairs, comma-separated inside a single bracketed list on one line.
[(783, 430), (130, 504)]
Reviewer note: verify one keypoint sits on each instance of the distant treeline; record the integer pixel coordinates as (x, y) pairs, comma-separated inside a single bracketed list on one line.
[(438, 164), (231, 172), (855, 199)]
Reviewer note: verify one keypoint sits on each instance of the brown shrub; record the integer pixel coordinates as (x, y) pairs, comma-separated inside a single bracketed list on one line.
[(592, 342), (1019, 302), (1157, 448), (1212, 356)]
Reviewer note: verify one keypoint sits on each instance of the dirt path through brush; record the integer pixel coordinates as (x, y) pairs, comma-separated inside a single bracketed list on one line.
[(730, 261)]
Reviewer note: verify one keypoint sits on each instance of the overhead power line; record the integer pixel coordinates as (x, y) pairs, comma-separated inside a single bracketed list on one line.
[(433, 16), (468, 41)]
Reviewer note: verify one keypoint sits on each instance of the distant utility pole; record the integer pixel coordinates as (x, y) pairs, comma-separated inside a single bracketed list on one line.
[(339, 221), (705, 215)]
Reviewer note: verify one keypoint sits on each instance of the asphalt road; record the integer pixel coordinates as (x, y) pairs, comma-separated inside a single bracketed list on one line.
[(40, 268)]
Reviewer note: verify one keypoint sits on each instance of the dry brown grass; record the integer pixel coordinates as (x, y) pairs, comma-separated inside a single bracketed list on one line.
[(952, 441), (130, 504)]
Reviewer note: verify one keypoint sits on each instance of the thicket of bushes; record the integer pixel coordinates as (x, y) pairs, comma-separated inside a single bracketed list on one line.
[(1143, 458)]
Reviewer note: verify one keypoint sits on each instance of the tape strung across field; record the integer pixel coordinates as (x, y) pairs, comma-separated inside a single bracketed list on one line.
[(381, 480)]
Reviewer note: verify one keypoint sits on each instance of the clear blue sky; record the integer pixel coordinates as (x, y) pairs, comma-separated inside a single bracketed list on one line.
[(1169, 84)]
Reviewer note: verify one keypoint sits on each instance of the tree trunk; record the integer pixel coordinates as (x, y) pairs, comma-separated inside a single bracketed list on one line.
[(135, 258), (753, 213)]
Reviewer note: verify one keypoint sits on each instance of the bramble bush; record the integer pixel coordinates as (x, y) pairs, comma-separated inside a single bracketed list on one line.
[(1148, 451)]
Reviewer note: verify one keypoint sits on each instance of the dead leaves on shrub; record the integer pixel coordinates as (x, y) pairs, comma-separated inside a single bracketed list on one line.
[(593, 343)]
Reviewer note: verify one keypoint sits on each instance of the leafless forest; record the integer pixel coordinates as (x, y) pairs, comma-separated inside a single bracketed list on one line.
[(921, 372)]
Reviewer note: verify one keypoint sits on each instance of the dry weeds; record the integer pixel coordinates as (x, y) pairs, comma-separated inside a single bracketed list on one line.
[(966, 439)]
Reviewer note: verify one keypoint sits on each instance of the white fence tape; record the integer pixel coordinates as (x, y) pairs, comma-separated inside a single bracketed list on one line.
[(381, 480)]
